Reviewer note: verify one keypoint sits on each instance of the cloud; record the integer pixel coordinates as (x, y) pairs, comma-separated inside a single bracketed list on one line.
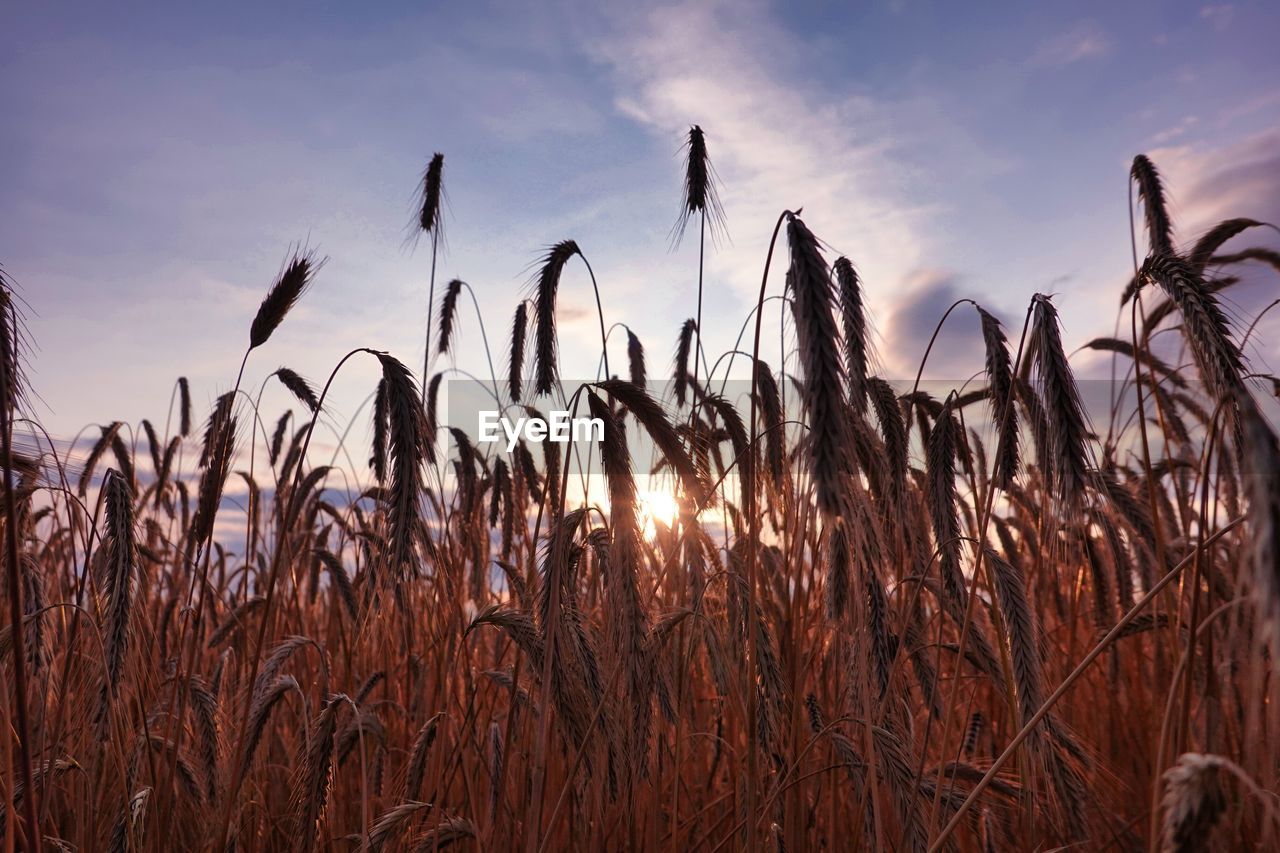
[(1219, 15), (778, 139), (957, 352), (1178, 130), (1084, 41), (1208, 185), (1212, 184), (158, 189)]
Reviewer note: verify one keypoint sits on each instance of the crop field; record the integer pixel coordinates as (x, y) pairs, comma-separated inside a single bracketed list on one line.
[(823, 609)]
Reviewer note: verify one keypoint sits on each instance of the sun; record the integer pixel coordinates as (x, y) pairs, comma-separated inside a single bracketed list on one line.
[(657, 507)]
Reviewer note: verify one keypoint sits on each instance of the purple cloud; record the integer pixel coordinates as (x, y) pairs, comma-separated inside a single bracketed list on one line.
[(1084, 41), (958, 351), (1243, 180)]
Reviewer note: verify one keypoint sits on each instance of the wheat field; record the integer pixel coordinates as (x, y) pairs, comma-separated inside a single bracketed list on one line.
[(869, 616)]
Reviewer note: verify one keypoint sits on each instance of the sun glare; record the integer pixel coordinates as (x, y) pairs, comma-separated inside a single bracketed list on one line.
[(657, 507)]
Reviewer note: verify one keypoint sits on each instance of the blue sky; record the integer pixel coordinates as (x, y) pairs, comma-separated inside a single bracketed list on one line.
[(157, 163)]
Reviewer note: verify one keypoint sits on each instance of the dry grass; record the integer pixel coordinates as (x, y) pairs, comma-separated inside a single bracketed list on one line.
[(879, 620)]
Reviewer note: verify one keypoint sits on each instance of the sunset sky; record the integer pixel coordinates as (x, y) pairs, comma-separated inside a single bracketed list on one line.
[(157, 164)]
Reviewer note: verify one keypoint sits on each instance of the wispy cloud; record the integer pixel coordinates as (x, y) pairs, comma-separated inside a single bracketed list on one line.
[(1219, 15), (957, 350), (1209, 184), (1086, 40), (154, 187), (1178, 130), (778, 140)]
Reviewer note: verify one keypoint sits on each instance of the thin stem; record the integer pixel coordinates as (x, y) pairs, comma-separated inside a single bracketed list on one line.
[(753, 543), (1070, 680), (604, 337), (233, 788), (431, 304), (32, 830), (484, 338)]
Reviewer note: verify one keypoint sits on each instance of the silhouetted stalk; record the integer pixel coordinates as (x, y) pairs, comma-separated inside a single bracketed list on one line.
[(753, 542), (1146, 447), (546, 367), (1067, 683), (550, 644), (10, 393), (233, 787), (431, 302), (697, 329), (484, 339), (284, 293), (1180, 731), (604, 337), (430, 218), (1193, 627), (220, 442), (937, 329), (682, 588), (978, 566)]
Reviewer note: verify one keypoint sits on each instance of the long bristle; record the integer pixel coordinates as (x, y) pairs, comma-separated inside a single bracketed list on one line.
[(288, 288), (299, 388), (432, 196), (700, 191)]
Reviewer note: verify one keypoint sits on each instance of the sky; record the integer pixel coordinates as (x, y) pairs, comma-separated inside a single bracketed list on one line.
[(158, 162)]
